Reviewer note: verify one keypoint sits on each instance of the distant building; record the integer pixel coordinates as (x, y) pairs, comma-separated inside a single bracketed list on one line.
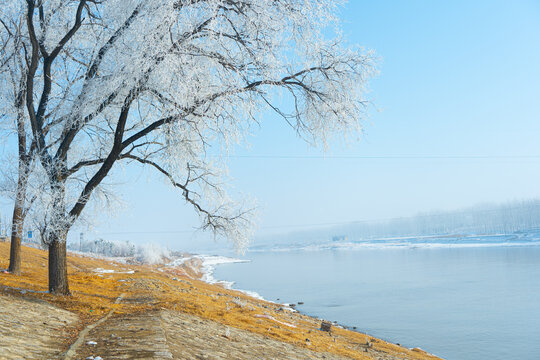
[(339, 238)]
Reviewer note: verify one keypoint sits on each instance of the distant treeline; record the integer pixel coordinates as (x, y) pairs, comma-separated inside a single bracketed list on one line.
[(486, 219), (146, 253), (104, 247), (149, 253)]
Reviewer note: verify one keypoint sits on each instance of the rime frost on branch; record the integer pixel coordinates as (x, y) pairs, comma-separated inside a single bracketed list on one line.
[(158, 83)]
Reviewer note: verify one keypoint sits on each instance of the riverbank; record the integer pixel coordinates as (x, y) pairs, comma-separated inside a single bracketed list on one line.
[(185, 317)]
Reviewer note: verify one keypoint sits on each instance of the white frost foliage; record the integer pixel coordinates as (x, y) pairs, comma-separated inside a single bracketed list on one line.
[(105, 247), (194, 75), (152, 254)]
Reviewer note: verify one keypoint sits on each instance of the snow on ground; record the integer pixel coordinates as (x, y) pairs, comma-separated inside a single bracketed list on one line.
[(209, 263), (110, 271)]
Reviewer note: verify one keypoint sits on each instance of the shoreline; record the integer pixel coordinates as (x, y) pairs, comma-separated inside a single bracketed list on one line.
[(216, 260), (292, 307), (286, 306), (248, 326), (210, 262)]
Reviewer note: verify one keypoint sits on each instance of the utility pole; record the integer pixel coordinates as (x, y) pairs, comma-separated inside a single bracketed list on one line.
[(2, 230)]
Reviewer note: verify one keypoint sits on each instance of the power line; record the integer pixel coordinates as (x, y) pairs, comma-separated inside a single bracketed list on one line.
[(391, 157)]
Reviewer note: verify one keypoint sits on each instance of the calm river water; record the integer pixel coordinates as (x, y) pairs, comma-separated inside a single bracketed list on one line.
[(459, 303)]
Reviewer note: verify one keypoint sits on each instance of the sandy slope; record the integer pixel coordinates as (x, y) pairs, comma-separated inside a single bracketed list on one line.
[(32, 329), (172, 335)]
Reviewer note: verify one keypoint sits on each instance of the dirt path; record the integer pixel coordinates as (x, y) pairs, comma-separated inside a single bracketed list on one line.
[(156, 335), (172, 335), (32, 329)]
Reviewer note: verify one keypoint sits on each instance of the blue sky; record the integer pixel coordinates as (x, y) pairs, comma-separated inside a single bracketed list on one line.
[(457, 78)]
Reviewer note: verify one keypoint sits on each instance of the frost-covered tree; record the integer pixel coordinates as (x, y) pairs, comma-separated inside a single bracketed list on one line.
[(156, 83), (12, 76)]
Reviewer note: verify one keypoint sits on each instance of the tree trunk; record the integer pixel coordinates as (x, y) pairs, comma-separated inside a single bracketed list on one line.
[(58, 278), (19, 214), (16, 232), (17, 221)]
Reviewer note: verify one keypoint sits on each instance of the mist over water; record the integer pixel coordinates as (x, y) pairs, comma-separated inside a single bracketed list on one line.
[(465, 303)]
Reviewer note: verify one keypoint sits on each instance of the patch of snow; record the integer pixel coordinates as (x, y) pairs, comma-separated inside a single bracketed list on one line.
[(24, 291), (274, 319), (209, 263), (110, 271), (253, 294), (103, 271)]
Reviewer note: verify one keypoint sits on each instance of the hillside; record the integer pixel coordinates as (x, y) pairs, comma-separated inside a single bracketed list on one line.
[(135, 311)]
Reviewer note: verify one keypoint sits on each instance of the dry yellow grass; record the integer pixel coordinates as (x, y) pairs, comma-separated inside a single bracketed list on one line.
[(149, 287)]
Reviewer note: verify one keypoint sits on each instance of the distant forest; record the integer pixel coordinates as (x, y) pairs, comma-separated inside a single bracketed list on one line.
[(505, 218), (487, 219)]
